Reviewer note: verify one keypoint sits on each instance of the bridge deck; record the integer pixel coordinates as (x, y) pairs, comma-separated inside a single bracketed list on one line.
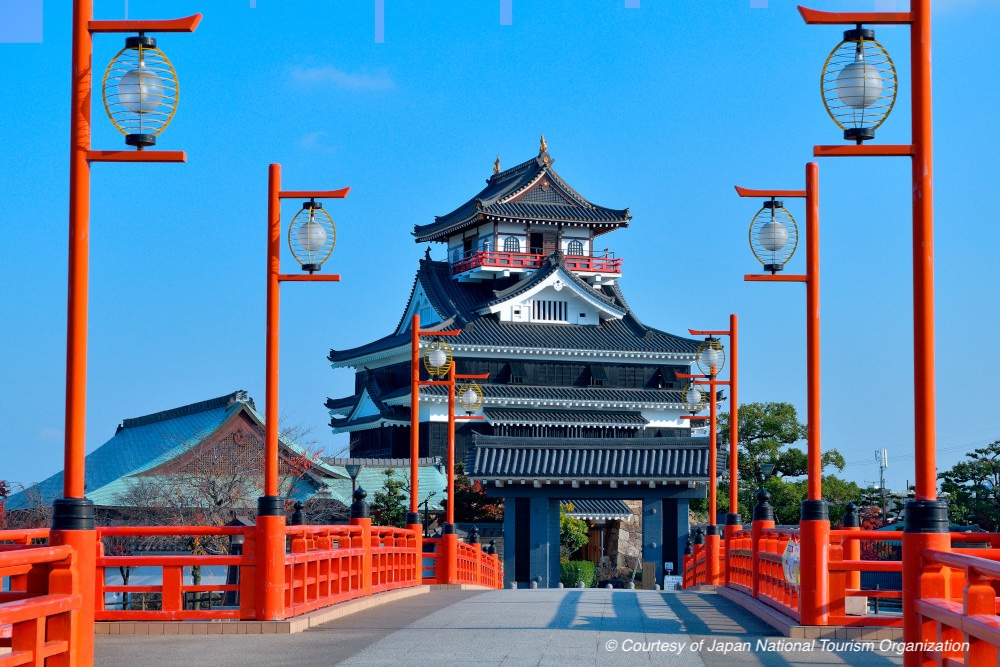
[(524, 627)]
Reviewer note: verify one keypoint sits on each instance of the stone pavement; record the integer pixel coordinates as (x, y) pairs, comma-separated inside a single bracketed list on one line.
[(522, 627)]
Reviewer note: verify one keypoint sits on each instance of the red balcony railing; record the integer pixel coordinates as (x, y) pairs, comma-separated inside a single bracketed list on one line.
[(524, 260)]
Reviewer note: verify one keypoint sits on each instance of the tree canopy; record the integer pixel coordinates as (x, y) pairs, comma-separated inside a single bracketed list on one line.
[(972, 487), (766, 433)]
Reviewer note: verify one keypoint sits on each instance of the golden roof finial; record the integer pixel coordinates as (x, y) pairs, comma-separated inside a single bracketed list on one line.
[(542, 146), (496, 165)]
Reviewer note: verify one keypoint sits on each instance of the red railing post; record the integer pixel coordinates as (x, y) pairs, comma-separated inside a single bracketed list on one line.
[(248, 575), (852, 546), (763, 519), (62, 627), (698, 554), (933, 583), (687, 569), (979, 598), (447, 560), (814, 591), (838, 583), (361, 519)]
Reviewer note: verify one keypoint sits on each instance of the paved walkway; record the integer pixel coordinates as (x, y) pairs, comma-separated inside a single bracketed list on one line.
[(523, 627)]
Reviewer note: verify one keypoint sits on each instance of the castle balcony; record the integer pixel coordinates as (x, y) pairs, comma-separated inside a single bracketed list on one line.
[(484, 264)]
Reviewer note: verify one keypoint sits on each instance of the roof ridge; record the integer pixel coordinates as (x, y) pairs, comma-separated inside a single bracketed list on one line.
[(238, 396), (513, 170)]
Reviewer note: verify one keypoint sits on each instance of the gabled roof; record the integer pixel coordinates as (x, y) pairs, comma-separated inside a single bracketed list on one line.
[(507, 197), (365, 409), (141, 440), (142, 444), (458, 304), (632, 460)]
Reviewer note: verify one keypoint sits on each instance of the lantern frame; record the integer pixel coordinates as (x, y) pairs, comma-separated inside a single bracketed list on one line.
[(859, 123), (694, 408), (438, 371), (140, 127), (773, 211), (312, 212), (715, 344), (462, 390)]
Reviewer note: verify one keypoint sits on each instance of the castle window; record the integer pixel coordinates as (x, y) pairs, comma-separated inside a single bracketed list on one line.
[(574, 248), (511, 244), (549, 311), (598, 376), (518, 374)]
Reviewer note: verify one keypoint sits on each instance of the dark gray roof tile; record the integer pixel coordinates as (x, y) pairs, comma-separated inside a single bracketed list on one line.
[(630, 459)]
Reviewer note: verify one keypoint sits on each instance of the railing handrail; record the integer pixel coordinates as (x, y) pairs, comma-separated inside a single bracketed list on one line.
[(339, 529), (24, 534), (34, 555), (147, 531), (967, 562)]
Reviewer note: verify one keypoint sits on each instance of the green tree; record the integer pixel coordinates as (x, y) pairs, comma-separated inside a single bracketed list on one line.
[(388, 507), (838, 492), (973, 488), (573, 533), (766, 431)]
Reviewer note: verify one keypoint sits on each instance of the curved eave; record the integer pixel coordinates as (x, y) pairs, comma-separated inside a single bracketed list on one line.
[(348, 426), (611, 224)]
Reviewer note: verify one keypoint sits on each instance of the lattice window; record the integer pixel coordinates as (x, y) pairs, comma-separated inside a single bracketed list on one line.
[(574, 248), (543, 194), (549, 311), (512, 244)]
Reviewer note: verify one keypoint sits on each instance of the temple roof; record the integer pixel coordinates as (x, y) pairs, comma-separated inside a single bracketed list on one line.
[(630, 460), (141, 444), (458, 305), (531, 191)]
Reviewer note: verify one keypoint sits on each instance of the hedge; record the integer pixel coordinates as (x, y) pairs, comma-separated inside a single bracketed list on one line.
[(575, 571)]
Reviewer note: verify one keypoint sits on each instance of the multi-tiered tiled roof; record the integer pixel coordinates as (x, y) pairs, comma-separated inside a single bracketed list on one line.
[(509, 196)]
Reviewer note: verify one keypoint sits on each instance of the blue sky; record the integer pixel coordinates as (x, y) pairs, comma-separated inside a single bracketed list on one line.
[(660, 108)]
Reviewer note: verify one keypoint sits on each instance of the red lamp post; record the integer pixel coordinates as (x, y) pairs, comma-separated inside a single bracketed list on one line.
[(439, 364), (772, 234), (311, 237), (926, 522), (136, 97), (711, 360)]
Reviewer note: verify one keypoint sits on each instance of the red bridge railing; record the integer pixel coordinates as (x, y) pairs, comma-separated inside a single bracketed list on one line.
[(39, 600), (324, 565), (172, 599), (959, 588), (964, 631)]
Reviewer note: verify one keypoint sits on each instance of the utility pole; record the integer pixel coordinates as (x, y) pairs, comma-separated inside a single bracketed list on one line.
[(882, 459)]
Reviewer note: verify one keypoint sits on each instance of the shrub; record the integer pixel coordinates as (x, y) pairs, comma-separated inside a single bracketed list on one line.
[(574, 571)]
